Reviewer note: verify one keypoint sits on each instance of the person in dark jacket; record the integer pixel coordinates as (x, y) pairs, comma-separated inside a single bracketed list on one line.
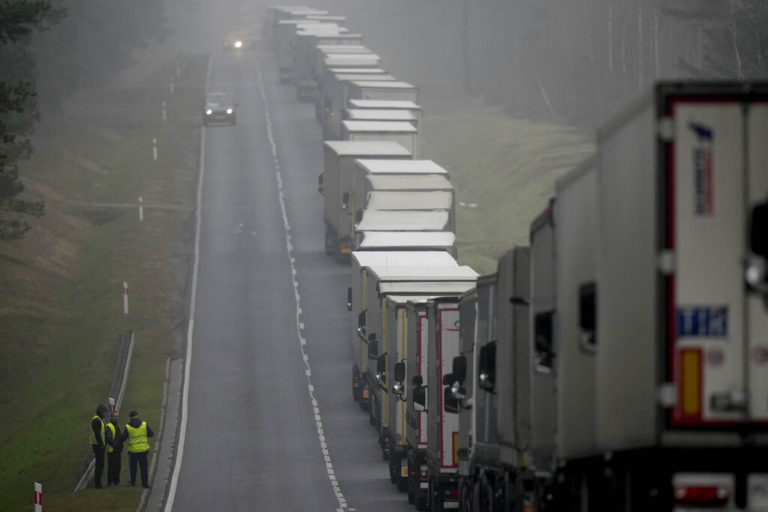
[(136, 436), (98, 443), (114, 439)]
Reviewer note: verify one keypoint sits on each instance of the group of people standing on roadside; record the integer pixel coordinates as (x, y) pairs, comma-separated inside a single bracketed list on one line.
[(108, 438)]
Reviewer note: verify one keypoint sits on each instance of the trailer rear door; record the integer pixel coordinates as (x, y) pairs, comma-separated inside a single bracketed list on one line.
[(716, 170)]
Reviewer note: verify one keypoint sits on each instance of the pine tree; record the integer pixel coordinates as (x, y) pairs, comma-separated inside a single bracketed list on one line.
[(18, 19)]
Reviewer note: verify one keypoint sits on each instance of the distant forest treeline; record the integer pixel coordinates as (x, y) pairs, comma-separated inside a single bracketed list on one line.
[(578, 60), (48, 49)]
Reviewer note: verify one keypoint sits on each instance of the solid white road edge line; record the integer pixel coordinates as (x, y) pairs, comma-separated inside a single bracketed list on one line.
[(191, 324)]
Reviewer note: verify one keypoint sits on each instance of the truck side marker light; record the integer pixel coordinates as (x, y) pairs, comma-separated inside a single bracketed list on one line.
[(690, 362)]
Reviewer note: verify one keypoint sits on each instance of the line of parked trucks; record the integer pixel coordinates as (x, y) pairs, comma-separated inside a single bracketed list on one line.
[(617, 363)]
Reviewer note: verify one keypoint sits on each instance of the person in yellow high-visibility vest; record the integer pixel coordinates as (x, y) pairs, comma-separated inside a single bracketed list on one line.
[(136, 436), (114, 449), (98, 443)]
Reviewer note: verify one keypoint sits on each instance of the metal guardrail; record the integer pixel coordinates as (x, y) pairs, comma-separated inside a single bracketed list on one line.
[(117, 391)]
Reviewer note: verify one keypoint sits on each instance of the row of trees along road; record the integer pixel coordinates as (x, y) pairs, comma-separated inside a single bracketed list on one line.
[(578, 60), (49, 49)]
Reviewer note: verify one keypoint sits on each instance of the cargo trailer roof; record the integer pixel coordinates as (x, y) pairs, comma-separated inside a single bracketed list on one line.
[(419, 240), (342, 49), (410, 200), (433, 288), (351, 60), (357, 71), (379, 114), (379, 126), (384, 104), (390, 85), (326, 17), (351, 77), (297, 21), (413, 258), (409, 182), (385, 272), (367, 148), (372, 166), (403, 220)]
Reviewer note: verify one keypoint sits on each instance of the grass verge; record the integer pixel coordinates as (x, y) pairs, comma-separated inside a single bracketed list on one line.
[(504, 171), (61, 309)]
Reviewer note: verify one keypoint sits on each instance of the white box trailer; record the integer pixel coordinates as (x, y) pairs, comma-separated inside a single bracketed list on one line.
[(513, 371), (682, 383), (339, 158), (442, 419), (284, 35), (359, 302), (326, 80), (380, 114), (397, 275), (400, 91), (365, 184), (308, 42), (468, 389), (337, 94), (277, 13), (408, 106), (413, 200), (542, 311), (404, 133), (400, 220), (408, 241)]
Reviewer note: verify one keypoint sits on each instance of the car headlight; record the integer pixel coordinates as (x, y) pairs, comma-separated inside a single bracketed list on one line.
[(238, 44), (229, 111), (208, 112)]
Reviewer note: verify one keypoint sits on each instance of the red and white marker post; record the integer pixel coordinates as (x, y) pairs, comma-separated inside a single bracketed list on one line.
[(125, 297), (141, 209), (38, 497), (112, 406)]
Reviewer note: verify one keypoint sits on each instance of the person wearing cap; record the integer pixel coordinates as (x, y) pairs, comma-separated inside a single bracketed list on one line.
[(97, 443), (136, 436), (114, 439)]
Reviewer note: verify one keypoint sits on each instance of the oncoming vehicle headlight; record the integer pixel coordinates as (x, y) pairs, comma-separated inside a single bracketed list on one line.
[(208, 112), (229, 111), (238, 44)]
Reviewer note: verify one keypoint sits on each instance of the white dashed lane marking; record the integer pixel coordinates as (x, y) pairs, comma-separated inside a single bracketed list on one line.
[(343, 507)]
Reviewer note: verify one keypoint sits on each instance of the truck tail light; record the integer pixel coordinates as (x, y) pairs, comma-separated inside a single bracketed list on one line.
[(702, 496), (451, 493)]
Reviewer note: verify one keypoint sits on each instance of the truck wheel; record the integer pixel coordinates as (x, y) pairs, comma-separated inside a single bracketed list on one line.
[(422, 500), (394, 463), (465, 495), (435, 496), (371, 406), (413, 475), (355, 390), (329, 245)]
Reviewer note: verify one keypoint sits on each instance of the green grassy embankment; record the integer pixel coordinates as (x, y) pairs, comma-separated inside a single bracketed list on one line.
[(61, 308), (504, 171)]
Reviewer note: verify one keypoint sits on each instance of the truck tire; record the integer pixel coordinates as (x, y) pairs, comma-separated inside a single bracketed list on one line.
[(394, 464), (435, 495), (371, 406), (355, 389), (413, 476)]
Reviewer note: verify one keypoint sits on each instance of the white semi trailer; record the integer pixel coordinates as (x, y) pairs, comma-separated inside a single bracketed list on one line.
[(335, 184)]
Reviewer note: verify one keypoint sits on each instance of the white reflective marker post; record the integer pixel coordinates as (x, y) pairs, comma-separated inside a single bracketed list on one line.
[(38, 497), (165, 112), (172, 86), (154, 149), (141, 209), (125, 298)]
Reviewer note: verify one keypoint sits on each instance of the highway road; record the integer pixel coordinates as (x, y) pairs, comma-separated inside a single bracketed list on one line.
[(271, 421)]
